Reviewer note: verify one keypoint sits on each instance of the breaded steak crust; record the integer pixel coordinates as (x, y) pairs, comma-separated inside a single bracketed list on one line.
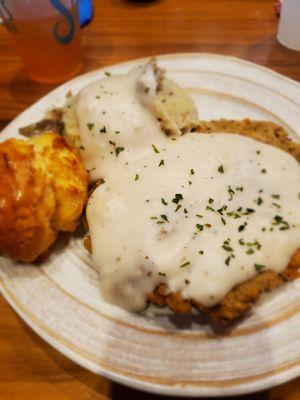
[(243, 296)]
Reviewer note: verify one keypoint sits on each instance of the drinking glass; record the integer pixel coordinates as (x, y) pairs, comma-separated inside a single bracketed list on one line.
[(47, 36), (289, 25)]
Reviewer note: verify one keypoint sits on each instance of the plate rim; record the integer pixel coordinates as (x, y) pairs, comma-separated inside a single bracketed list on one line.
[(265, 383)]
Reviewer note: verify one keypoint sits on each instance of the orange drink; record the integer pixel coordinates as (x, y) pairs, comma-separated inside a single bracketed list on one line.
[(47, 35)]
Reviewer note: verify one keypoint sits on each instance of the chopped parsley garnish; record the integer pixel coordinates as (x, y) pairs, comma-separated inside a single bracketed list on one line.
[(258, 201), (210, 200), (103, 129), (221, 169), (185, 264), (117, 132), (199, 227), (278, 220), (276, 205), (199, 215), (242, 227), (275, 196), (248, 211), (259, 267), (192, 172), (90, 125), (136, 177), (223, 221), (257, 151), (118, 150), (146, 90), (178, 207), (223, 208), (227, 248), (263, 171), (107, 73), (155, 148), (201, 252), (162, 162), (230, 191), (178, 197), (164, 202), (164, 217), (227, 261), (210, 208), (162, 274)]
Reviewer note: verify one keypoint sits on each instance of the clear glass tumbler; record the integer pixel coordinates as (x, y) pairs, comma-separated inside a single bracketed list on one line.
[(47, 35)]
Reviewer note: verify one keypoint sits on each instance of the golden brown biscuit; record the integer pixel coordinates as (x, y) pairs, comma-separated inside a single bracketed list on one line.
[(43, 190)]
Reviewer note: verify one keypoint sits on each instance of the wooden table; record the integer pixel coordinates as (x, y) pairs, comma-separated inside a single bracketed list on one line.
[(120, 30)]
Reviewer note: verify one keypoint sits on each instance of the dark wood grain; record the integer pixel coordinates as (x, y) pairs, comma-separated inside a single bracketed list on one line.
[(121, 30)]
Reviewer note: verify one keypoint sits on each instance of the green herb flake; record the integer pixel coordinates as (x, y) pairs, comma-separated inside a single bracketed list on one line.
[(136, 177), (164, 201), (103, 129), (209, 208), (227, 248), (275, 196), (162, 162), (259, 267), (242, 227), (192, 171), (185, 264), (199, 227), (118, 150), (263, 171), (259, 201), (201, 252), (90, 125), (162, 274), (155, 148), (178, 197), (227, 261), (107, 73), (164, 217), (221, 169)]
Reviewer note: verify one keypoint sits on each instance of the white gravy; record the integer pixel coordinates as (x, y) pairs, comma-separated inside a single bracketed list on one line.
[(200, 214)]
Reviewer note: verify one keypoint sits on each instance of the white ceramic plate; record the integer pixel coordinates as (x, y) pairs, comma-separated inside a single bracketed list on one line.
[(156, 351)]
